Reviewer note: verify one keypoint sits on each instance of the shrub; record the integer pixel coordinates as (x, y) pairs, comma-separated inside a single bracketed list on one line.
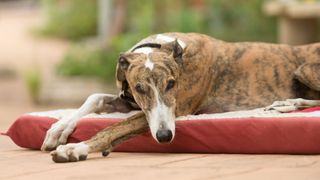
[(70, 19), (32, 80)]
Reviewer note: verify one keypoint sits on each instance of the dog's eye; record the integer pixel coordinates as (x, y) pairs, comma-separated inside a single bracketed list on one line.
[(140, 89), (170, 84)]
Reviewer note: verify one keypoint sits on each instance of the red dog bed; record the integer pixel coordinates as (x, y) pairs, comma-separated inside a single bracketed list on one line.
[(250, 132)]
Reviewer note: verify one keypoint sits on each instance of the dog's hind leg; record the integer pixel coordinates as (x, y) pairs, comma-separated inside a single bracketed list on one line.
[(104, 141), (309, 74), (292, 105), (59, 132)]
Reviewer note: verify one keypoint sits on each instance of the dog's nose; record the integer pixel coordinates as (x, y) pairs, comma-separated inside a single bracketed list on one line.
[(164, 136)]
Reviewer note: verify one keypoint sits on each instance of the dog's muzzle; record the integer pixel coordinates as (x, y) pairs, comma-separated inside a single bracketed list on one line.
[(164, 136)]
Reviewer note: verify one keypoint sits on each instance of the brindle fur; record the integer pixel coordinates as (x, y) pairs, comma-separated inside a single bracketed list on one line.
[(218, 76), (117, 133), (214, 76)]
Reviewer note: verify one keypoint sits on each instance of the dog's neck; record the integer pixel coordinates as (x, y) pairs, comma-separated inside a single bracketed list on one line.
[(206, 66), (201, 67)]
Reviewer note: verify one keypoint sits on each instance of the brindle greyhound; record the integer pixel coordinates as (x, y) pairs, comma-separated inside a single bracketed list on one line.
[(175, 74)]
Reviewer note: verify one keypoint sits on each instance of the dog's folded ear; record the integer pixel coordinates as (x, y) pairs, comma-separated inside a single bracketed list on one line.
[(123, 62), (122, 67), (173, 48)]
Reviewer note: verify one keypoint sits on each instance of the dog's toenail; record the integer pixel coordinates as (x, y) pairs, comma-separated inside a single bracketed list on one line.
[(59, 159), (72, 158), (82, 157), (105, 153)]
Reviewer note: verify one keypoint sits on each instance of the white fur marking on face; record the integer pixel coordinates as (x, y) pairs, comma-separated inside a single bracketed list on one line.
[(149, 64), (144, 50), (161, 116), (170, 39)]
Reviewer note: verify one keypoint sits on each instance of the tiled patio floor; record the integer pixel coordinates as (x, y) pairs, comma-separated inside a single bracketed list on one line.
[(17, 163)]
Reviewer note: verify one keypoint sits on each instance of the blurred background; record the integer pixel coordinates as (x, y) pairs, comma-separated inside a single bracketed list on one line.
[(54, 53)]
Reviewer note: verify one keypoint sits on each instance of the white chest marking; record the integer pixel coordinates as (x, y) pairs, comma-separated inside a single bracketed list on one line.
[(149, 64)]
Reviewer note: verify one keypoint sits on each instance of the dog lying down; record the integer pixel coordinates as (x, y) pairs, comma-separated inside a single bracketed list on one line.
[(176, 74)]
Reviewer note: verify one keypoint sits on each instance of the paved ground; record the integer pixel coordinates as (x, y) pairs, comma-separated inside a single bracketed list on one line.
[(19, 52), (25, 164)]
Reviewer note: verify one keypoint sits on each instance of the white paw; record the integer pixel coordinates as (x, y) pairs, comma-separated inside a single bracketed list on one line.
[(57, 135), (72, 152), (285, 106)]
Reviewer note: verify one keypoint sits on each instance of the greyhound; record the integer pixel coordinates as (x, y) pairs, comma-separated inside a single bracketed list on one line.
[(175, 74)]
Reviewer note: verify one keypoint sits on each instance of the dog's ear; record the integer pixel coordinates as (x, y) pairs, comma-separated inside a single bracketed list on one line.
[(123, 62), (173, 48), (122, 67)]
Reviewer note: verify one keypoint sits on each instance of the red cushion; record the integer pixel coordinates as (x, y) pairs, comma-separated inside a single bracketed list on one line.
[(290, 135)]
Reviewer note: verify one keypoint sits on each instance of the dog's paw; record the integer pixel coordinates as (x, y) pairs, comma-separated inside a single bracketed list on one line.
[(285, 106), (56, 135), (72, 152)]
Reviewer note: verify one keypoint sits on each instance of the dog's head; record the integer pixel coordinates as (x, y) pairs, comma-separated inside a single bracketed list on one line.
[(150, 74)]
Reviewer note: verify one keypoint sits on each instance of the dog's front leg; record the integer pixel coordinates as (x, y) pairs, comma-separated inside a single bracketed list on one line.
[(59, 132), (104, 141)]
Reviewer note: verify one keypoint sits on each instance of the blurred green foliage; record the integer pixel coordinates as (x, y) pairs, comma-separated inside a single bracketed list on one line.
[(71, 19), (81, 61), (230, 20), (241, 20), (33, 83)]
